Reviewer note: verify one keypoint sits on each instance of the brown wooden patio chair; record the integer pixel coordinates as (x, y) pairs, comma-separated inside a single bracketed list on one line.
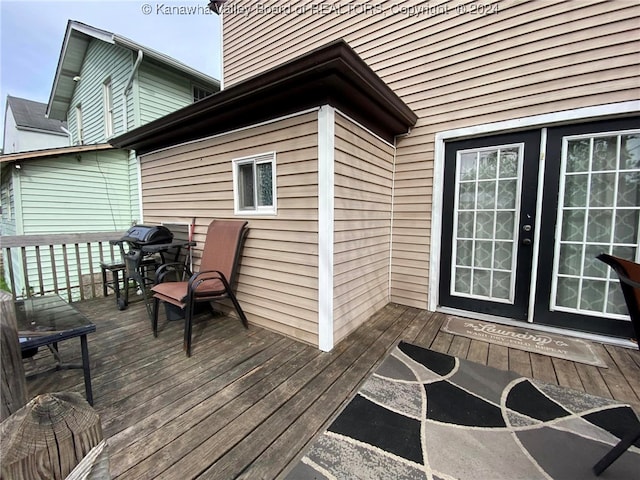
[(218, 269), (629, 275)]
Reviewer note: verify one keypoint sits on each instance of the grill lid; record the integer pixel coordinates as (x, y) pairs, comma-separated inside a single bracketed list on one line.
[(148, 235)]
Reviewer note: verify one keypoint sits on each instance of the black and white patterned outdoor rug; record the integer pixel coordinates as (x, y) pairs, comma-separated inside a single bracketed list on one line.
[(426, 415)]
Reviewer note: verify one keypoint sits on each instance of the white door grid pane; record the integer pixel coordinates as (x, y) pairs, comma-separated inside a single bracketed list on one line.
[(486, 219), (599, 212)]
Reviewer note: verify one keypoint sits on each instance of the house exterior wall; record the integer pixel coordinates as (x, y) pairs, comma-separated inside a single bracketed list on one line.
[(155, 92), (11, 219), (278, 276), (7, 200), (160, 92), (363, 183), (20, 140), (454, 70), (11, 142), (279, 285), (102, 61), (95, 183)]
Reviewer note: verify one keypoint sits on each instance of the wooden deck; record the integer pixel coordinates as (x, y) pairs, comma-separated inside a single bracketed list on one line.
[(248, 401)]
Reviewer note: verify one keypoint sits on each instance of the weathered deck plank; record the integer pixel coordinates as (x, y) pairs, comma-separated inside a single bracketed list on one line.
[(248, 402), (478, 352), (498, 357), (542, 368), (592, 380), (520, 362), (318, 413), (567, 374)]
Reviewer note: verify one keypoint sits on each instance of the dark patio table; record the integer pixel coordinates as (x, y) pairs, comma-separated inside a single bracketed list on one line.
[(48, 320)]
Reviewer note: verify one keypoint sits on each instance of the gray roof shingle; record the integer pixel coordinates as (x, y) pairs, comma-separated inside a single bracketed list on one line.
[(30, 114)]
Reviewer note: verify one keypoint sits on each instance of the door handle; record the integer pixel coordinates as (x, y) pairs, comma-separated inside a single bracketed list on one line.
[(526, 241)]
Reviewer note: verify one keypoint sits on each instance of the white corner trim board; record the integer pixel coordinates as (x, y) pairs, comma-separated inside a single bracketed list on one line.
[(326, 131)]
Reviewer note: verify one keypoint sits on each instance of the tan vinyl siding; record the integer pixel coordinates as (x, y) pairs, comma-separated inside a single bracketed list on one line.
[(362, 223), (278, 283), (456, 70), (134, 187)]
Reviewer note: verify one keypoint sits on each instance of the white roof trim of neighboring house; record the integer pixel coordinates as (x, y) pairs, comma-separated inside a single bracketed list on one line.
[(78, 34), (52, 152)]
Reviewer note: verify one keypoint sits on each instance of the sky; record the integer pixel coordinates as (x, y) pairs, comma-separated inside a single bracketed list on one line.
[(32, 31)]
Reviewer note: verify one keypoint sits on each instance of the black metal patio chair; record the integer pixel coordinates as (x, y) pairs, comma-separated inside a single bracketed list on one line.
[(218, 269), (629, 275)]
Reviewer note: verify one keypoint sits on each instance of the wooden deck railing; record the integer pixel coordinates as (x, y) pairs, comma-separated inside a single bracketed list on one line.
[(65, 264)]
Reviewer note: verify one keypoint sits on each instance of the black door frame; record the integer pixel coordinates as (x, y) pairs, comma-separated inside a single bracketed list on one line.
[(542, 314), (519, 309)]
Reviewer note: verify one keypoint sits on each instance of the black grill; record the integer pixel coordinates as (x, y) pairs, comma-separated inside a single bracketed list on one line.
[(140, 235), (136, 244)]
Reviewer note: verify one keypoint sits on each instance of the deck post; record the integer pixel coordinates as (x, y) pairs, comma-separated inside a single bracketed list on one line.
[(14, 385), (49, 437)]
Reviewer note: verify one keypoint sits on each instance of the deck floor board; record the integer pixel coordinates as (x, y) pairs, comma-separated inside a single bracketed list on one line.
[(248, 402)]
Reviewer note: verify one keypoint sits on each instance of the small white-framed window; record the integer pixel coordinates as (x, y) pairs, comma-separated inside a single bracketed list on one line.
[(108, 108), (79, 126), (254, 184)]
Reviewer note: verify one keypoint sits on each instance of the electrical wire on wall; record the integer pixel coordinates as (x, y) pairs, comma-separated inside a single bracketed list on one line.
[(106, 186)]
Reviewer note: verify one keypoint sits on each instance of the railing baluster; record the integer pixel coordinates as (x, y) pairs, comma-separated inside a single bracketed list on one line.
[(39, 267), (54, 271), (91, 274), (79, 270), (23, 250), (12, 279), (27, 288), (66, 271)]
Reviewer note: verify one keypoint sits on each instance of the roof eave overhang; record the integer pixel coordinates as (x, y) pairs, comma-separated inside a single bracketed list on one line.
[(168, 61), (331, 75), (77, 38), (53, 152)]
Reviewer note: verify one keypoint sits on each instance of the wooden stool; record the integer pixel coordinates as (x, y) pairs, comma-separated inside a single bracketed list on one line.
[(114, 282), (118, 277)]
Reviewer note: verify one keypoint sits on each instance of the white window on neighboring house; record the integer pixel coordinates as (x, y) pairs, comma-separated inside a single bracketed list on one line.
[(108, 108), (79, 125), (199, 93), (254, 184)]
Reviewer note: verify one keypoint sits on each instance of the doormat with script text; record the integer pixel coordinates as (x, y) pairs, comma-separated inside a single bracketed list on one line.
[(573, 349)]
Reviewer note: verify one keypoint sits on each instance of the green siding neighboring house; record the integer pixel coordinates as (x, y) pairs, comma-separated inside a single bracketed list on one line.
[(104, 86), (161, 92), (51, 185)]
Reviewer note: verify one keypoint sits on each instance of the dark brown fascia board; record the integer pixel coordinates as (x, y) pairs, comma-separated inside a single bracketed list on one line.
[(330, 75)]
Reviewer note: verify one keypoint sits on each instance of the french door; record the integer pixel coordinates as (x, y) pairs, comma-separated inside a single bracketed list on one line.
[(590, 204), (487, 225)]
